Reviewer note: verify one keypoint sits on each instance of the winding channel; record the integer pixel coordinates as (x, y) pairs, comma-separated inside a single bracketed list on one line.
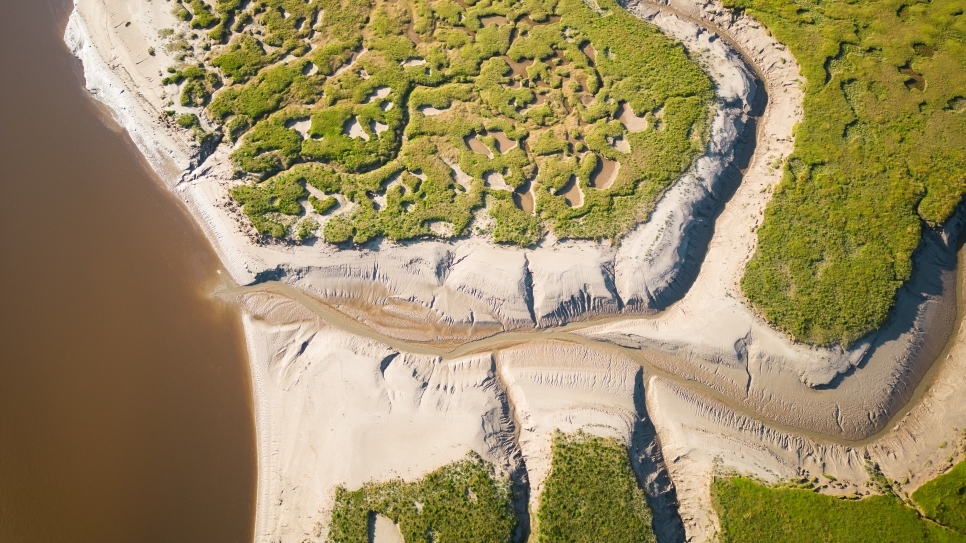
[(569, 332), (566, 333)]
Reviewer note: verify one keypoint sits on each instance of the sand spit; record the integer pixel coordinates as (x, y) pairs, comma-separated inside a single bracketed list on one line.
[(554, 386), (530, 293), (852, 394), (335, 408), (702, 437), (472, 282), (338, 409), (711, 336), (111, 38)]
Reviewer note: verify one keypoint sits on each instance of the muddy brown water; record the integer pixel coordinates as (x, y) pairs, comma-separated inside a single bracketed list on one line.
[(591, 53), (412, 34), (478, 146), (518, 68), (604, 174), (503, 143), (125, 400), (915, 81), (631, 122), (572, 193), (494, 20), (523, 198)]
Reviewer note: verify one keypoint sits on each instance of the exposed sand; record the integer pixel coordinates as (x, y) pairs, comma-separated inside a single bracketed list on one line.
[(701, 437), (341, 409), (384, 530), (711, 336), (364, 395), (122, 75), (337, 409), (345, 408)]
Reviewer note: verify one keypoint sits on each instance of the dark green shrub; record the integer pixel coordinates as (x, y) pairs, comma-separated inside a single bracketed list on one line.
[(874, 158), (322, 205), (203, 17), (188, 120), (244, 59), (180, 12), (592, 495), (197, 84), (263, 203), (464, 502)]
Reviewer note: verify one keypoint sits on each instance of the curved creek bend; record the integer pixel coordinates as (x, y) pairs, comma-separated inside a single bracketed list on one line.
[(479, 341), (125, 397), (329, 312)]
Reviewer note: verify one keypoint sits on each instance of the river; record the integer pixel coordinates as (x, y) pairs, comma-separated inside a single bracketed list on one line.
[(125, 397)]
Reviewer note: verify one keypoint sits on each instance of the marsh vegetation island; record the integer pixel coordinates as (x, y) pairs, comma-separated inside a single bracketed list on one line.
[(403, 119)]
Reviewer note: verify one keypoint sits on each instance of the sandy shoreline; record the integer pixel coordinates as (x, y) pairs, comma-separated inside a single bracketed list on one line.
[(446, 284), (517, 395)]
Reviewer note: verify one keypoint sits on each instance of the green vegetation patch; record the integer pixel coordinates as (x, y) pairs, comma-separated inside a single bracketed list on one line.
[(944, 498), (244, 58), (592, 495), (425, 111), (196, 82), (462, 502), (751, 512), (203, 16), (229, 13), (188, 120), (273, 206), (881, 149)]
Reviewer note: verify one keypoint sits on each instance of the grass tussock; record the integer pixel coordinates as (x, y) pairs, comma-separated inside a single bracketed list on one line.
[(592, 494), (464, 502), (880, 154)]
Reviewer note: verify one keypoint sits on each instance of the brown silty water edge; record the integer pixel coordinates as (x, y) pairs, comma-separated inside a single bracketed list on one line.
[(125, 399)]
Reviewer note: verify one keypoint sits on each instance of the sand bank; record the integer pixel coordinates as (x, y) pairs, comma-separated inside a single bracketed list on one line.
[(340, 409), (703, 437), (111, 38)]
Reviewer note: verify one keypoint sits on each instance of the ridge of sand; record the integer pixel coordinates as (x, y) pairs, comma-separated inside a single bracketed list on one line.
[(338, 409), (702, 438), (121, 74), (342, 409), (712, 336)]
